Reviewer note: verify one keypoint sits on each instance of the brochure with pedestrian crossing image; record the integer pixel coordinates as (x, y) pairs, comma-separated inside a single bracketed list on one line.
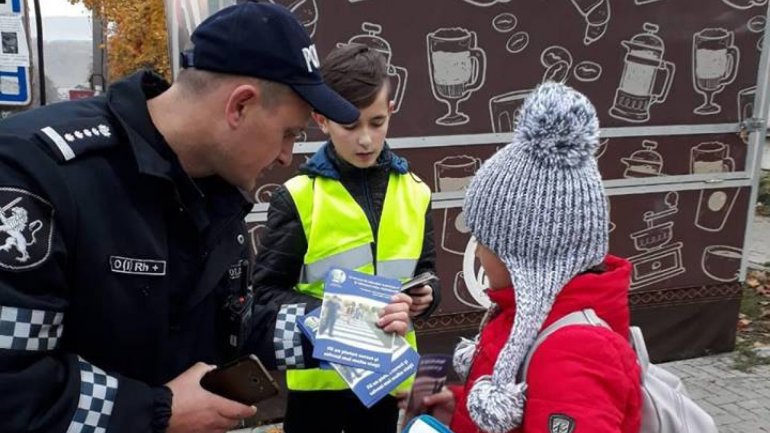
[(369, 386), (348, 333)]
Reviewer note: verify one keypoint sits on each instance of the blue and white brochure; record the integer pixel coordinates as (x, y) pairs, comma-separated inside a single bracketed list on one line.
[(348, 333), (369, 386)]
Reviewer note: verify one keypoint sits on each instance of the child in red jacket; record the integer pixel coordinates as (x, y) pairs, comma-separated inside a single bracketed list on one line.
[(538, 211)]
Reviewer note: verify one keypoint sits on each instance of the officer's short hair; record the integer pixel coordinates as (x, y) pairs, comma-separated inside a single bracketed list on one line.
[(357, 72), (195, 82)]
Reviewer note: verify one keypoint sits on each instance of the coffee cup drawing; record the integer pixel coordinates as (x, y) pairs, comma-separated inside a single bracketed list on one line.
[(722, 262), (714, 205)]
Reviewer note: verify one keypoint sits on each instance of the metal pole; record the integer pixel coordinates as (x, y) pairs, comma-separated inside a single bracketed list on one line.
[(98, 75), (40, 57), (756, 143)]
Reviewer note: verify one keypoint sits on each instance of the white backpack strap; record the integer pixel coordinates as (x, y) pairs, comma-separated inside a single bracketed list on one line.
[(637, 341), (582, 317)]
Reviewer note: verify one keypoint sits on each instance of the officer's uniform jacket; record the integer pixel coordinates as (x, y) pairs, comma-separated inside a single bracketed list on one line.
[(114, 266)]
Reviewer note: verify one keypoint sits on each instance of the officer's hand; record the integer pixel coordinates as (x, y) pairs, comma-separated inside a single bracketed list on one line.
[(422, 297), (195, 410), (395, 316)]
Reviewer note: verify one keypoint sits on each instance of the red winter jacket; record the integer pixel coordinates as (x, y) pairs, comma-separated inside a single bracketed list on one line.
[(582, 379)]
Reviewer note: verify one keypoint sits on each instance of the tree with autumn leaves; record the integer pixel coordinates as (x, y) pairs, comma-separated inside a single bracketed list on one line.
[(136, 35)]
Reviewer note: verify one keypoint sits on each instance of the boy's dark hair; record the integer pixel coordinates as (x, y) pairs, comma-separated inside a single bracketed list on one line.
[(357, 72)]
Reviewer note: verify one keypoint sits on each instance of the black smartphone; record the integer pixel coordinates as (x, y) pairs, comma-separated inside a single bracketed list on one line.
[(418, 281), (244, 380)]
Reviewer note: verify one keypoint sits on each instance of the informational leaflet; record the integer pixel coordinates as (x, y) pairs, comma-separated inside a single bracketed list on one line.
[(431, 376), (348, 333), (369, 386), (14, 51)]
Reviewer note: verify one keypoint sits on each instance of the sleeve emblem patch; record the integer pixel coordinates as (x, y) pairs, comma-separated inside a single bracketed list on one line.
[(26, 229)]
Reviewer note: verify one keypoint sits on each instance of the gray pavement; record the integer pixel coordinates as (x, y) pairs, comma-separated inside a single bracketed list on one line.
[(759, 245), (739, 402)]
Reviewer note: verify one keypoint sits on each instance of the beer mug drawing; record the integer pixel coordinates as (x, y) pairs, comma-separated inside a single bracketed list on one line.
[(715, 65), (454, 174), (746, 103), (711, 157), (457, 68)]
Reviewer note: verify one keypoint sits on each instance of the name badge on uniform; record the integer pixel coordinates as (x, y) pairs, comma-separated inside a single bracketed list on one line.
[(128, 265), (235, 271)]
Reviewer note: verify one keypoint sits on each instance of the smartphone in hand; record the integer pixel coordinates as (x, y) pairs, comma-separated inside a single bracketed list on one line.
[(418, 281), (244, 380)]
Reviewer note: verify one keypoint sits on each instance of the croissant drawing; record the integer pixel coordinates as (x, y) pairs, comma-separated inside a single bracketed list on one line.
[(597, 16)]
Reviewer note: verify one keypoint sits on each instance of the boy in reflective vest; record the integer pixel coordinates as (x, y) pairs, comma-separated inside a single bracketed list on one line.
[(355, 205)]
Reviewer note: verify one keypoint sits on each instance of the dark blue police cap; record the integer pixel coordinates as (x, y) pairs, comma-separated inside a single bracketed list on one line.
[(265, 41)]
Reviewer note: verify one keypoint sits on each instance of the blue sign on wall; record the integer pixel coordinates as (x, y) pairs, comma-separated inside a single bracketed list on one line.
[(14, 80)]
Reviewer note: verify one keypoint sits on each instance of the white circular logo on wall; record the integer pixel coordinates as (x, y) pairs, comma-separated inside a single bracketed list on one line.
[(26, 229), (473, 273)]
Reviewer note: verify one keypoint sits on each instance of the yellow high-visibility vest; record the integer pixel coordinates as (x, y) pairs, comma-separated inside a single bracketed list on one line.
[(339, 235)]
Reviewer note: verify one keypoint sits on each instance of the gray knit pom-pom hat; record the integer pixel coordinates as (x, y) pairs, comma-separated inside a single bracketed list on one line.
[(539, 205)]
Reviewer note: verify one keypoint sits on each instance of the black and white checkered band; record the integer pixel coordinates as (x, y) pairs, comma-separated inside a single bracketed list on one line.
[(288, 337), (97, 397), (26, 329)]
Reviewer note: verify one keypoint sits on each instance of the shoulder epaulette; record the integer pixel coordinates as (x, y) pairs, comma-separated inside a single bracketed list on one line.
[(78, 137)]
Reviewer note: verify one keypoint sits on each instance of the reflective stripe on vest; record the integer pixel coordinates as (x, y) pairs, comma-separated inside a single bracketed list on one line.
[(350, 259), (338, 233)]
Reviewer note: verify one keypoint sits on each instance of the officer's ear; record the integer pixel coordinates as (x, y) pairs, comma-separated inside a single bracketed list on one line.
[(322, 122), (243, 99)]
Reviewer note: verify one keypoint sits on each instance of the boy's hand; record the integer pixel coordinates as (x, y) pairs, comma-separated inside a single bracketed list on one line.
[(422, 297), (395, 316)]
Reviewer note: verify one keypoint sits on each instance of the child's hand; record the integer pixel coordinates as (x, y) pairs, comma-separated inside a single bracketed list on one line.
[(402, 397), (441, 405), (422, 297), (395, 316)]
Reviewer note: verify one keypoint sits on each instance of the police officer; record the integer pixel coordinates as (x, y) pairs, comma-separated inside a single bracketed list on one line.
[(122, 235)]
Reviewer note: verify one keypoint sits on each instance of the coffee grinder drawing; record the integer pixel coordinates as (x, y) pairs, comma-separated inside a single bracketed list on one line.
[(659, 259)]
